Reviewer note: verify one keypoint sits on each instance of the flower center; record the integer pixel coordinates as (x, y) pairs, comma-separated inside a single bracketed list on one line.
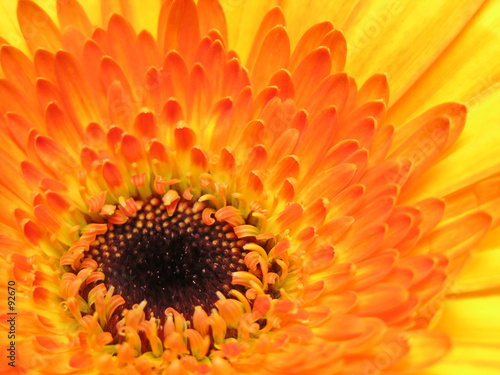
[(171, 261)]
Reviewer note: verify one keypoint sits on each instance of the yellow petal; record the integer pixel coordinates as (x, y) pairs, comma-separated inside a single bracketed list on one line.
[(481, 273), (455, 78), (474, 320), (9, 28), (145, 14), (242, 26), (468, 358), (376, 33), (304, 14)]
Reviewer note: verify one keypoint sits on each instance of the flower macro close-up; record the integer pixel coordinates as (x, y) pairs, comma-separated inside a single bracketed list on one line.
[(250, 187)]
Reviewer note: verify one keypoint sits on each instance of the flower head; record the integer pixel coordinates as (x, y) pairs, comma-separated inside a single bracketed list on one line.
[(176, 201)]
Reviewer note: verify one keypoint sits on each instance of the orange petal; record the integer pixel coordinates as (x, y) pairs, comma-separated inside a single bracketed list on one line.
[(53, 155), (332, 91), (158, 151), (432, 210), (317, 136), (456, 237), (371, 271), (359, 247), (60, 127), (255, 183), (182, 29), (227, 161), (120, 105), (198, 159), (162, 24), (289, 215), (49, 220), (423, 147), (287, 191), (363, 132), (315, 213), (122, 42), (263, 99), (346, 201), (282, 79), (341, 328), (272, 18), (219, 123), (110, 72), (148, 50), (17, 67), (286, 167), (311, 71), (145, 125), (76, 94), (375, 88), (273, 54), (176, 75), (73, 39), (482, 195), (381, 142), (56, 202), (426, 348), (309, 41), (420, 265), (199, 96), (100, 36), (81, 361), (398, 228), (256, 159), (242, 107), (387, 172), (379, 298), (31, 173), (113, 178), (18, 129), (47, 92), (284, 145), (454, 111), (375, 109), (185, 138), (337, 44), (44, 64), (329, 183), (231, 78), (32, 231), (216, 56), (319, 257), (131, 148), (113, 138), (171, 113), (13, 100), (212, 16), (360, 160), (374, 212), (339, 152), (71, 13), (38, 29)]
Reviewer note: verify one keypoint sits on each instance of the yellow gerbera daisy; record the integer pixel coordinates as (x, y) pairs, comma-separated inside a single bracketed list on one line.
[(190, 187)]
